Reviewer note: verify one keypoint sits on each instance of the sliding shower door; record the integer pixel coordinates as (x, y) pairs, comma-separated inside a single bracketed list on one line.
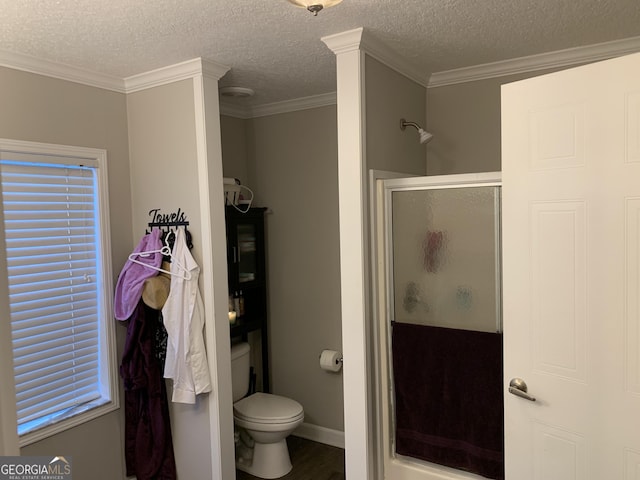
[(442, 331)]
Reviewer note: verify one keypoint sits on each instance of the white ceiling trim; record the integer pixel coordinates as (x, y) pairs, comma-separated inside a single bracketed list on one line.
[(294, 105), (154, 78), (557, 59), (237, 111), (342, 42), (214, 70), (304, 103), (174, 73), (360, 39), (26, 63), (392, 59)]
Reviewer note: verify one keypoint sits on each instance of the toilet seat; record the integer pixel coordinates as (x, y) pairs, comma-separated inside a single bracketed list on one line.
[(266, 408)]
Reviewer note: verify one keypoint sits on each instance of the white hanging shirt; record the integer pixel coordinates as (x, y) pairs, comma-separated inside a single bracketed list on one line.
[(183, 314)]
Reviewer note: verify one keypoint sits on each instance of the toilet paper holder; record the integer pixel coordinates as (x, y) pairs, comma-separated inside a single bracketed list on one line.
[(330, 360), (337, 359)]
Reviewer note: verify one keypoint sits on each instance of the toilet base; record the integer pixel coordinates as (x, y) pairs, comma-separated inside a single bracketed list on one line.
[(270, 460)]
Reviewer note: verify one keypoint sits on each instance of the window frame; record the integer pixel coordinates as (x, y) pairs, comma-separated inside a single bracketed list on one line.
[(108, 370)]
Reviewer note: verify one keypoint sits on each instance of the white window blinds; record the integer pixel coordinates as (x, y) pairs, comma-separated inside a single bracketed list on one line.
[(50, 214)]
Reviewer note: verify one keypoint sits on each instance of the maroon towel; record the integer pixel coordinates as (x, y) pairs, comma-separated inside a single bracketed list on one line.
[(448, 397)]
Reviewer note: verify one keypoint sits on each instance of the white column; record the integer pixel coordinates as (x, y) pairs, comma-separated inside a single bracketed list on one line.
[(214, 253), (353, 249)]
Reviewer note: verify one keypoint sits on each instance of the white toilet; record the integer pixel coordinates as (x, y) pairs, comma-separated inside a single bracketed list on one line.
[(267, 418)]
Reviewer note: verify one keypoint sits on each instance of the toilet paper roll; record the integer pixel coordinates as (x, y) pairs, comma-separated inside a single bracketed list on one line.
[(330, 360)]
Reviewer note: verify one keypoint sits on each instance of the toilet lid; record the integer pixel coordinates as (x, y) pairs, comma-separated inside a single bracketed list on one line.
[(267, 408)]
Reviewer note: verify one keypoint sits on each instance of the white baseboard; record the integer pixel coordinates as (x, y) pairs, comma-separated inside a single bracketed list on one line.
[(335, 438)]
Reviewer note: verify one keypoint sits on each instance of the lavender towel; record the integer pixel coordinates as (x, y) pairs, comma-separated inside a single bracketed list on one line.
[(132, 277)]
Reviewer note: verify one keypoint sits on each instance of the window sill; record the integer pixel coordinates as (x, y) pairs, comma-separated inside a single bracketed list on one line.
[(73, 417)]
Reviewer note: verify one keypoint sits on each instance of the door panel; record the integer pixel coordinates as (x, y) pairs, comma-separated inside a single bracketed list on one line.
[(633, 286), (558, 247), (571, 243)]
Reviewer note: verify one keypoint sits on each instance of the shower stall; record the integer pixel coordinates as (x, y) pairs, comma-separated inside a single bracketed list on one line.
[(440, 334)]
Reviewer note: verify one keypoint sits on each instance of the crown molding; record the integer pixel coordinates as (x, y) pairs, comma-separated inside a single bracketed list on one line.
[(557, 59), (174, 73), (237, 111), (287, 106), (360, 39), (26, 63), (344, 42), (134, 83), (381, 52), (294, 105), (154, 78), (214, 70), (348, 41)]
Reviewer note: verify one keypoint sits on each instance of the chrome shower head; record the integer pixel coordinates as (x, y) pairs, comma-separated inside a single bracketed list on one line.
[(425, 137)]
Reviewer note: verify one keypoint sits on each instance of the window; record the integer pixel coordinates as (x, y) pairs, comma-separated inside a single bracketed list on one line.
[(59, 271)]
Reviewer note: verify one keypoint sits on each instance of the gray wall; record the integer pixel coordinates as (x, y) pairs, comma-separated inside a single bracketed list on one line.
[(389, 97), (164, 175), (465, 121), (42, 109), (291, 163), (295, 157), (234, 148)]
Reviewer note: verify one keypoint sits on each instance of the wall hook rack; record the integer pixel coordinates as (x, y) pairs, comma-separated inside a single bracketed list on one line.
[(167, 221)]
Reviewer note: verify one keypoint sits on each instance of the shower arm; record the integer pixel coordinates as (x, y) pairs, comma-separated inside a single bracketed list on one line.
[(425, 137), (404, 124)]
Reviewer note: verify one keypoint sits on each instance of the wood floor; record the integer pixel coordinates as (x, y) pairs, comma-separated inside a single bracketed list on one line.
[(311, 461)]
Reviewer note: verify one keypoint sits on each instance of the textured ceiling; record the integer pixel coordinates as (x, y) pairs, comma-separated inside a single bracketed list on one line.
[(275, 48)]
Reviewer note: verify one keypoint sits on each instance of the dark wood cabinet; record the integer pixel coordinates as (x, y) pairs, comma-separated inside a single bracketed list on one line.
[(248, 277)]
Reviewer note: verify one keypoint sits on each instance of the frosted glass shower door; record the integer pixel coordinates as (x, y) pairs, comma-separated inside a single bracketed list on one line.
[(441, 340), (445, 257)]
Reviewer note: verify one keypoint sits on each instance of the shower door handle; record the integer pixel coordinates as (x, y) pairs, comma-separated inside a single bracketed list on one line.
[(517, 386)]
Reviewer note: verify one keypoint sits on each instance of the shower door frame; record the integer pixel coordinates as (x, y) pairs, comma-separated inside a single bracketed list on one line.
[(383, 184)]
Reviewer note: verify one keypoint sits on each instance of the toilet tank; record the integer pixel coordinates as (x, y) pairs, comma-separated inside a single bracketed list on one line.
[(240, 365)]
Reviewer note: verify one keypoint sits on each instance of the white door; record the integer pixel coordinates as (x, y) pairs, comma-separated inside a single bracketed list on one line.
[(571, 260)]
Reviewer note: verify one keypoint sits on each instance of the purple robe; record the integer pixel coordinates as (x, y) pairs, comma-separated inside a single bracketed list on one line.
[(148, 443)]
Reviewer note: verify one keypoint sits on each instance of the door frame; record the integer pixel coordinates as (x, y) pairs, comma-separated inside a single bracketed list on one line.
[(389, 464)]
